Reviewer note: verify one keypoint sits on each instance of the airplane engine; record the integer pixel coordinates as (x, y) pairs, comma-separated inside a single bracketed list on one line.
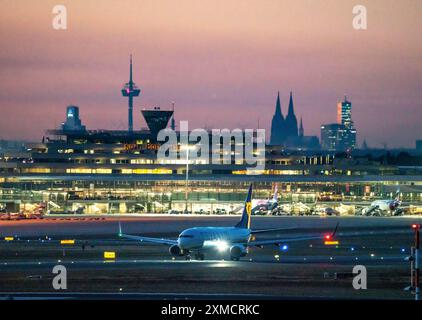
[(237, 252), (175, 250)]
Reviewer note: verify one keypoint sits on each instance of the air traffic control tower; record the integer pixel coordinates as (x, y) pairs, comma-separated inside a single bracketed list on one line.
[(157, 119), (130, 90)]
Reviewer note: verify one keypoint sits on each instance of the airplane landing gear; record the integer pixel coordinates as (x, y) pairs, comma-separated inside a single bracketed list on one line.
[(187, 257)]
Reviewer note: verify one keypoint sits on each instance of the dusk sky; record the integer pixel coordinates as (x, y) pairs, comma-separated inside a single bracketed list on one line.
[(221, 61)]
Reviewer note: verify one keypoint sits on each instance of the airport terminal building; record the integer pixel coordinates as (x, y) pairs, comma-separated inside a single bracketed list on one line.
[(104, 171)]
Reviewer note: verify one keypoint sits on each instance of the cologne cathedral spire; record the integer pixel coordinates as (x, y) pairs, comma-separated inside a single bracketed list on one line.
[(277, 124), (301, 131), (291, 121)]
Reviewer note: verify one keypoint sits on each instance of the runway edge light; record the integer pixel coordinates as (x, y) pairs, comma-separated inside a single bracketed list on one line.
[(67, 241), (331, 243), (9, 238), (109, 255)]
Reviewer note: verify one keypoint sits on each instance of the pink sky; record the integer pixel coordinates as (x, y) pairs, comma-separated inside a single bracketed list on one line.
[(222, 62)]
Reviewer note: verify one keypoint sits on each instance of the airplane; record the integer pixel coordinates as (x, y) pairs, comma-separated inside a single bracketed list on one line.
[(265, 204), (384, 207), (234, 240)]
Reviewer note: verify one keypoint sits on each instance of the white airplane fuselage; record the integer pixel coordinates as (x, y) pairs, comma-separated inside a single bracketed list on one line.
[(263, 203), (203, 237), (385, 205)]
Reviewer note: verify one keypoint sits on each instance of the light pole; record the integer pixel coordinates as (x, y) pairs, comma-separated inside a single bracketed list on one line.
[(414, 264), (187, 148)]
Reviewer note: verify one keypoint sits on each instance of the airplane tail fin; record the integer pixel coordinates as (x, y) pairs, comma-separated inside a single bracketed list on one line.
[(245, 221), (397, 198), (275, 192)]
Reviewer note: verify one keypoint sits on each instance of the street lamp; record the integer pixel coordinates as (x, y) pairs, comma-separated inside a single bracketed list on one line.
[(187, 148)]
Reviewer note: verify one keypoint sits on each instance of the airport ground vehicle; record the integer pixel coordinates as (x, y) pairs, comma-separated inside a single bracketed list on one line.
[(36, 213), (79, 210), (12, 216), (20, 215), (326, 211)]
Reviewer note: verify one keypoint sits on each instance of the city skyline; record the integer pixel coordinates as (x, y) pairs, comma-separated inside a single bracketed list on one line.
[(223, 70)]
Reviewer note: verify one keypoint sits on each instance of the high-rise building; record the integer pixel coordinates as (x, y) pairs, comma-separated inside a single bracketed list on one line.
[(340, 136), (349, 135), (332, 136), (344, 113), (349, 139), (336, 137), (72, 123)]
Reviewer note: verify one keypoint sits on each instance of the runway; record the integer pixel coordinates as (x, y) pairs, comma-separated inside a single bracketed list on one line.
[(306, 269), (134, 296), (172, 224)]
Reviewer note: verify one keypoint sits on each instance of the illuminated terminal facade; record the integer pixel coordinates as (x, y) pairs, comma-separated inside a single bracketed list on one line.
[(103, 171)]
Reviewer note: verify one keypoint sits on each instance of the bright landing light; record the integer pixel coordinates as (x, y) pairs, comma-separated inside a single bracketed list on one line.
[(222, 245), (219, 244)]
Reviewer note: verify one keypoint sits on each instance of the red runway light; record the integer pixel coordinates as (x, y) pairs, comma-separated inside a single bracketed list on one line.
[(328, 237), (416, 226)]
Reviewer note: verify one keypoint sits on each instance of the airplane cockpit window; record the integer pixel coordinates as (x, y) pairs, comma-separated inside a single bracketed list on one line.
[(186, 236)]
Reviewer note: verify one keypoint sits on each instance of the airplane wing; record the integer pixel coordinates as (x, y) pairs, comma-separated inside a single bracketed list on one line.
[(146, 239), (278, 242), (346, 234), (271, 230)]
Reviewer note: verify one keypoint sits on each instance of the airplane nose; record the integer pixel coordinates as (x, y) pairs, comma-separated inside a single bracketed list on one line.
[(180, 243), (183, 243), (188, 243)]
